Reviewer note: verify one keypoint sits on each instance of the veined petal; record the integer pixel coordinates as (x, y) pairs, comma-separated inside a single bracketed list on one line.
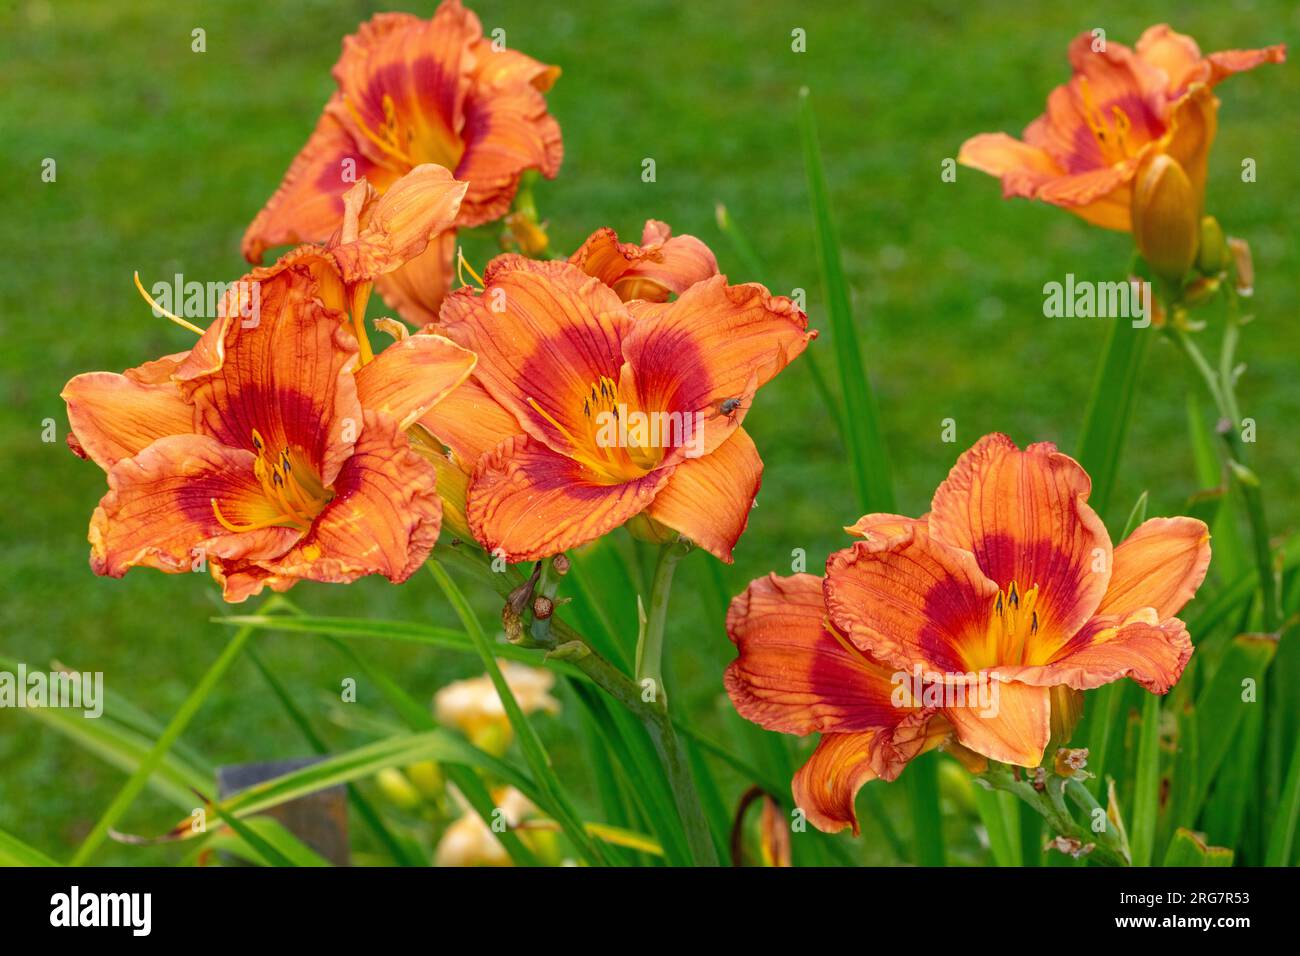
[(825, 787), (713, 344), (384, 517), (661, 266), (391, 229), (114, 416), (1015, 730), (1152, 652), (1160, 565), (158, 510), (470, 422), (507, 131), (909, 599), (793, 674), (545, 334), (708, 499), (1025, 517), (409, 377), (531, 502), (308, 205), (288, 375), (402, 83)]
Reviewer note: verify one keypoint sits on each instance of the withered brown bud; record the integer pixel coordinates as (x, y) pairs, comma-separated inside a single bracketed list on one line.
[(1070, 761), (561, 564), (543, 607)]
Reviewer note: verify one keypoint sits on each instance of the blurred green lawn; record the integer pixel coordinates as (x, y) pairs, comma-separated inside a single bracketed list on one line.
[(165, 154)]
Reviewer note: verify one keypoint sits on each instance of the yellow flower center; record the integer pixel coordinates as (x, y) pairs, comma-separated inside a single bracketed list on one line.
[(1113, 140), (1013, 624), (618, 441), (292, 488)]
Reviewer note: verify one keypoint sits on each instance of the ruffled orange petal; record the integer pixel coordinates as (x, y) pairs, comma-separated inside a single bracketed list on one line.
[(402, 83), (1179, 58), (712, 346), (507, 130), (288, 376), (1022, 168), (409, 377), (663, 265), (1015, 727), (383, 519), (825, 787), (470, 422), (158, 509), (909, 599), (380, 233), (115, 416), (1160, 565), (545, 334), (308, 205), (1025, 517), (1193, 125), (1152, 652), (528, 502), (708, 499), (793, 675)]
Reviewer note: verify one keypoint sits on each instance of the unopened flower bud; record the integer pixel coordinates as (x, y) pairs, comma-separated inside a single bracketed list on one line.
[(1213, 256), (1166, 224)]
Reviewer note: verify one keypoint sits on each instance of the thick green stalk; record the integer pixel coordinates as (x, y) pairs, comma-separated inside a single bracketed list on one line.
[(650, 648)]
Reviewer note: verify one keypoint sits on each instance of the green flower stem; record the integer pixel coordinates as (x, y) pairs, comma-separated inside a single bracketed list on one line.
[(650, 646), (133, 787), (1108, 848), (564, 643), (1221, 385)]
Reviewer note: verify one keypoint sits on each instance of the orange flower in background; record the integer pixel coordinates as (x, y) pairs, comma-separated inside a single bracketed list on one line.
[(1119, 109), (268, 452), (585, 411), (414, 91)]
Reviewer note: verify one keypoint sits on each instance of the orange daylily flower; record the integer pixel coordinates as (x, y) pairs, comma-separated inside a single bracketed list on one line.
[(1119, 108), (1007, 591), (1012, 575), (414, 91), (585, 411), (663, 265), (268, 450)]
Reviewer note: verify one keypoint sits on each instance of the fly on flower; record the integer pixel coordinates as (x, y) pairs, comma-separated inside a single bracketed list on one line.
[(413, 91), (1011, 577)]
